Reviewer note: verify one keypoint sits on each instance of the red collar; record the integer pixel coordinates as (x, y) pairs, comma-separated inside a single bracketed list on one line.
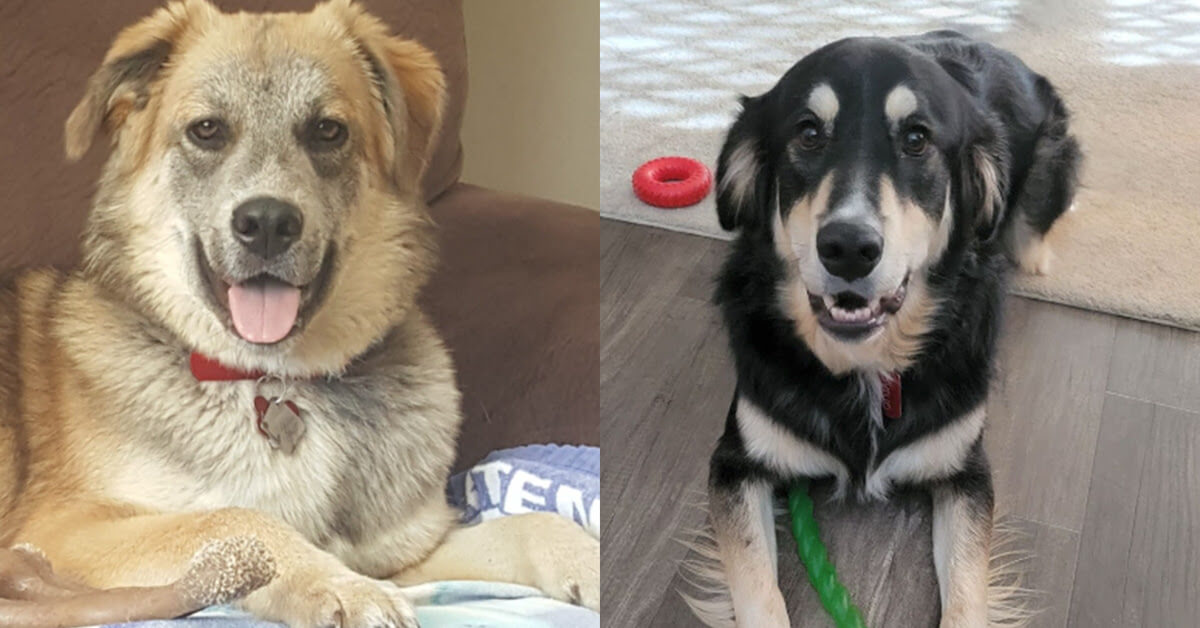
[(206, 369), (892, 400)]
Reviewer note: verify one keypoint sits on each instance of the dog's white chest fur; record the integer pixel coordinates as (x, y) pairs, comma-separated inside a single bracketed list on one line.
[(934, 455), (210, 455)]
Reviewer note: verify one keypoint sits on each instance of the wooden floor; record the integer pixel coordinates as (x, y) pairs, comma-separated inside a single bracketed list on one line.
[(1094, 436)]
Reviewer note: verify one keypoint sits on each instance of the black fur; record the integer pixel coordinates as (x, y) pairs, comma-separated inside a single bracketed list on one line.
[(1043, 158), (996, 151), (778, 372), (999, 107)]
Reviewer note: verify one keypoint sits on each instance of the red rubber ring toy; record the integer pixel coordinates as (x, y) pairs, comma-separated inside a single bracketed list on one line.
[(672, 182)]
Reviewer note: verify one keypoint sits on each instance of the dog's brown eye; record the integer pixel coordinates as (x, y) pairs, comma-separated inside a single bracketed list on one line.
[(208, 133), (811, 136), (915, 141), (329, 133)]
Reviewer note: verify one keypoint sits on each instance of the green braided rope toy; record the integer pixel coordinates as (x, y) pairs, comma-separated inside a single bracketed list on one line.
[(821, 573)]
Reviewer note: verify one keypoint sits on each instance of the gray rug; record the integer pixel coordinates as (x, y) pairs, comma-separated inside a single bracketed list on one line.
[(1128, 69)]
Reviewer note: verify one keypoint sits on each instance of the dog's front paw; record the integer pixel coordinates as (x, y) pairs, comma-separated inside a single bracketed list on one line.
[(333, 598), (566, 559)]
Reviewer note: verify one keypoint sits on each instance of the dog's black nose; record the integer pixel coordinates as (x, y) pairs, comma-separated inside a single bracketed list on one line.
[(849, 250), (267, 226)]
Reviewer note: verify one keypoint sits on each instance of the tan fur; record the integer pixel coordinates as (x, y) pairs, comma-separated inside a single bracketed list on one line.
[(1034, 254), (704, 589), (706, 584), (746, 546), (1011, 604), (120, 466), (961, 542), (986, 167), (823, 101), (109, 101), (741, 172), (899, 104)]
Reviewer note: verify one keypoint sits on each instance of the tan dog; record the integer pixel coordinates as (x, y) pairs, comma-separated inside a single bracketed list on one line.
[(260, 210)]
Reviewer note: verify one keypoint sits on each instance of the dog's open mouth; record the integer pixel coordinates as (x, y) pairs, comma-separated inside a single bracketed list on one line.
[(849, 316), (265, 309)]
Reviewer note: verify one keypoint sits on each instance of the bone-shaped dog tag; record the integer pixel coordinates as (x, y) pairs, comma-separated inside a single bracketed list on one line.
[(283, 426)]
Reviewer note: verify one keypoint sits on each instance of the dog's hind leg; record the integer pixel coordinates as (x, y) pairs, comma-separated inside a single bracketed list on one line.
[(962, 531), (1047, 192), (542, 550)]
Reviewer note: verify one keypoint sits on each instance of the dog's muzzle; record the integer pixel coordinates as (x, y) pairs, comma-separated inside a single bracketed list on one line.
[(264, 309)]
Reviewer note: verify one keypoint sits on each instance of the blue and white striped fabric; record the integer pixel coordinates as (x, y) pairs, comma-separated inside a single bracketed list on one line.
[(534, 478)]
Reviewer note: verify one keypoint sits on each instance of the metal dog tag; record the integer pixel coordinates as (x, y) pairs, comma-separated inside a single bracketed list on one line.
[(283, 426)]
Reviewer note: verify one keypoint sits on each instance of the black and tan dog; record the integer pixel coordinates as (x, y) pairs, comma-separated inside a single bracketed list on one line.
[(241, 354), (881, 192)]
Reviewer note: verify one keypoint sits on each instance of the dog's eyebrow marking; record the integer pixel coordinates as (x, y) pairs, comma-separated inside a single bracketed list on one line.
[(901, 102), (823, 102)]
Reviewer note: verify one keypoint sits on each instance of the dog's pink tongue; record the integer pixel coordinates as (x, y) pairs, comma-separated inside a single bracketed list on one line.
[(264, 311)]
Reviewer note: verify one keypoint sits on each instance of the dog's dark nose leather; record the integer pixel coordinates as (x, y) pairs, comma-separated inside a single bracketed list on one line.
[(267, 226), (849, 250)]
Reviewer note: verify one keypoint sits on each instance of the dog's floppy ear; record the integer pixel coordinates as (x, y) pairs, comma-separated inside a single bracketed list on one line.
[(122, 84), (411, 84), (743, 171), (983, 162), (983, 179)]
